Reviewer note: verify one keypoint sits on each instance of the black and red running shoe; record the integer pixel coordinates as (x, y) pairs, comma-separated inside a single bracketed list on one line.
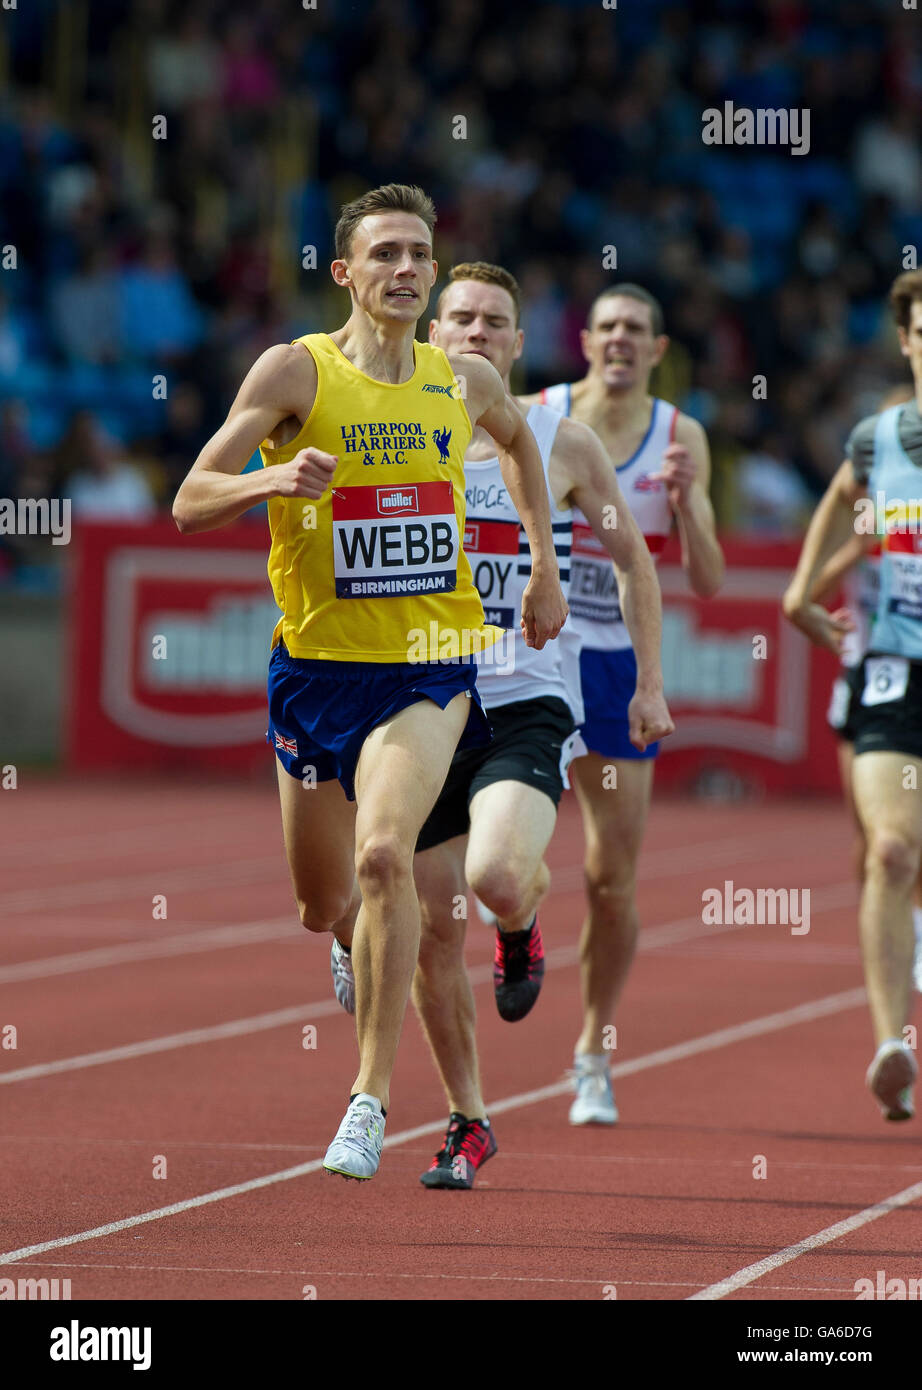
[(468, 1144), (518, 970)]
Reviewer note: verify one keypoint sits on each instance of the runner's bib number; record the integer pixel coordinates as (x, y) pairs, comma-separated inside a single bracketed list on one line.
[(593, 587), (885, 679), (393, 541), (905, 574), (492, 547)]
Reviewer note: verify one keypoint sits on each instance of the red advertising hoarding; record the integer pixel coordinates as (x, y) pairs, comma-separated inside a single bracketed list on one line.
[(170, 639), (747, 691), (169, 646)]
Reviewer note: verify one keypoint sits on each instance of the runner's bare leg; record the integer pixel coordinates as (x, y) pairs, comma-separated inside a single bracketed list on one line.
[(442, 990), (400, 772), (511, 827), (614, 819), (892, 819), (318, 824)]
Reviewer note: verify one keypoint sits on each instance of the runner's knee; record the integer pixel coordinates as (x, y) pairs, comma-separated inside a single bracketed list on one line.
[(610, 890), (381, 863), (499, 888), (323, 909), (894, 857)]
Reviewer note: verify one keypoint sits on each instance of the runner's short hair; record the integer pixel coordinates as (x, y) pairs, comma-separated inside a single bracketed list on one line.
[(630, 291), (390, 197), (486, 274), (904, 291)]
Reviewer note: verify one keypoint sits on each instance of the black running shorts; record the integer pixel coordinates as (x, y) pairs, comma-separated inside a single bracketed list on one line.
[(886, 707), (844, 696), (529, 739)]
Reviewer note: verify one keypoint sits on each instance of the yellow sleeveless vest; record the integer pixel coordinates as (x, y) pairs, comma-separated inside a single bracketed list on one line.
[(374, 569)]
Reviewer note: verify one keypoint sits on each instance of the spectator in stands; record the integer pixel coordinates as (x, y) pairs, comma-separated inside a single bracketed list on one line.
[(100, 484), (84, 309), (583, 131), (159, 319)]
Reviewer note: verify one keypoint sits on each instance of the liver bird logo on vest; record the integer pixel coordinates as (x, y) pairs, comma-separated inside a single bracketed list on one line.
[(441, 439)]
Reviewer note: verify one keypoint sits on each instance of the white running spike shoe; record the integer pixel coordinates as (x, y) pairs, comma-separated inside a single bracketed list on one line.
[(591, 1080), (343, 976), (890, 1079), (356, 1150)]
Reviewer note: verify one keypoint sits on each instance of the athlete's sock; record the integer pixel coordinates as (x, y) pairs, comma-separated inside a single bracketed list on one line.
[(358, 1093), (917, 922)]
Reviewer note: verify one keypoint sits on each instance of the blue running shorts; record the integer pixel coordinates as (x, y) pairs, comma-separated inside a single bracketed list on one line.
[(608, 681), (321, 712)]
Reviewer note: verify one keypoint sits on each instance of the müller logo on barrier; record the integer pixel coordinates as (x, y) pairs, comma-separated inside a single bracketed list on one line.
[(185, 645)]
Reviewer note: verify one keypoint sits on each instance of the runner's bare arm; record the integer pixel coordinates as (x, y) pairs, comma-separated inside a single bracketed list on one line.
[(544, 609), (686, 471), (281, 383), (582, 476), (831, 526), (848, 555)]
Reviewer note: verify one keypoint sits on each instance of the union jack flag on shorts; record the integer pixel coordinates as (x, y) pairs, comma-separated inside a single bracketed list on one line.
[(287, 745)]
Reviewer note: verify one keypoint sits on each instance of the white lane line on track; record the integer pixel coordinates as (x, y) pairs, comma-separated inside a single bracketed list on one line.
[(656, 864), (752, 1272), (140, 834), (833, 896), (195, 877), (394, 1274), (803, 1013), (529, 1155), (234, 1028), (217, 938), (111, 843), (182, 944), (651, 939)]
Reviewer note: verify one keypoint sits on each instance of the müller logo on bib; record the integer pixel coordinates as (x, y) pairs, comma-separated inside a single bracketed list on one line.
[(397, 501)]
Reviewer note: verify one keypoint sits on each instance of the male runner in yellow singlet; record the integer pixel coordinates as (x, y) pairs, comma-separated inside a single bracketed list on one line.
[(371, 685)]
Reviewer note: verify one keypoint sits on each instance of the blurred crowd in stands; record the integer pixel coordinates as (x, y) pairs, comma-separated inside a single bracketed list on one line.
[(154, 260)]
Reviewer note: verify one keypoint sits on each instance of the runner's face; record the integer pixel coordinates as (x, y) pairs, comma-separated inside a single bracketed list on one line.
[(390, 266), (620, 346), (478, 318), (911, 340)]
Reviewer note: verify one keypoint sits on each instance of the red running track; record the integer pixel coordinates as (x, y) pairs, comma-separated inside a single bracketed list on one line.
[(174, 1046)]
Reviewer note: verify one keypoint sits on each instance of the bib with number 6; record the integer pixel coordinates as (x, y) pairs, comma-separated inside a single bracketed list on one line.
[(885, 679)]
